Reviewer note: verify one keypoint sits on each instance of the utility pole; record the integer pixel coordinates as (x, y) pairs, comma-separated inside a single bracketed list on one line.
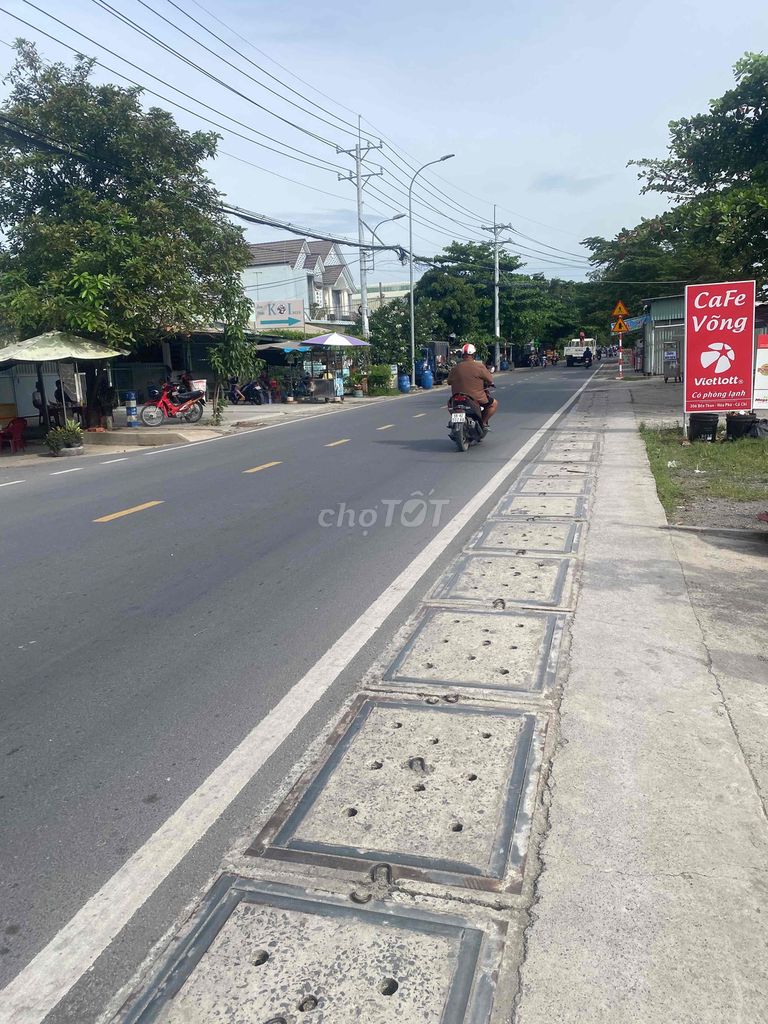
[(360, 152), (496, 230)]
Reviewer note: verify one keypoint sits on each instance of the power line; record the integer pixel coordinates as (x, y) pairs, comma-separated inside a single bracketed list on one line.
[(312, 160), (293, 181), (350, 128), (105, 6), (277, 63)]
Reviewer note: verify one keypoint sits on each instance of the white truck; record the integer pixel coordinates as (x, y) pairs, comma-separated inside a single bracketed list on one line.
[(574, 353)]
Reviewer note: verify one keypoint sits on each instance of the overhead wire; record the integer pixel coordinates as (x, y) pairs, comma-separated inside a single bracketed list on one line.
[(312, 159), (523, 251), (348, 125), (147, 34)]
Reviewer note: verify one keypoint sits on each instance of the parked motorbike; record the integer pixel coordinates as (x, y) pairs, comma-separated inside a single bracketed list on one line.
[(466, 423), (254, 393), (168, 401)]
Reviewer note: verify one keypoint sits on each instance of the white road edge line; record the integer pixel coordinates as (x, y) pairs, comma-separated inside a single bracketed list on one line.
[(44, 982), (9, 482)]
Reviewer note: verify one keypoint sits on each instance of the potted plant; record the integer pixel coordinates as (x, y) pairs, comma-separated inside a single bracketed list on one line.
[(356, 383), (65, 441)]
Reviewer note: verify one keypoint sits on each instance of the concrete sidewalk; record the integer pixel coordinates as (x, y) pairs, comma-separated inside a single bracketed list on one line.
[(652, 903)]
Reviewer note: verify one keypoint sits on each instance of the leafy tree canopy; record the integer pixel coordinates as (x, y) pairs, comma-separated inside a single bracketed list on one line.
[(716, 176), (110, 226)]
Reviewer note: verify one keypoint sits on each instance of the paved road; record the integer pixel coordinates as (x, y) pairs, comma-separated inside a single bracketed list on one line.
[(141, 649)]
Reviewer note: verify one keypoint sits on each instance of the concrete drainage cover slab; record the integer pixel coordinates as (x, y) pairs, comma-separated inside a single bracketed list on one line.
[(553, 485), (516, 536), (267, 953), (569, 459), (556, 470), (480, 650), (534, 506), (441, 793), (485, 578)]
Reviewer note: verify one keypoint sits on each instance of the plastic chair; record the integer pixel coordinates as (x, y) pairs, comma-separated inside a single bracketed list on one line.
[(14, 434)]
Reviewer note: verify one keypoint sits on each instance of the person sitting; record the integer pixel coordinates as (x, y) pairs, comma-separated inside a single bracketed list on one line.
[(472, 378)]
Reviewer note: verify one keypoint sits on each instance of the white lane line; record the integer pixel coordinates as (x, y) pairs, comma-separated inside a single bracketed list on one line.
[(110, 461), (419, 415), (34, 992), (60, 472), (9, 482)]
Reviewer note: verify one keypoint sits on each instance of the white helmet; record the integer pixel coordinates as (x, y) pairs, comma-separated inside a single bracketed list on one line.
[(468, 350)]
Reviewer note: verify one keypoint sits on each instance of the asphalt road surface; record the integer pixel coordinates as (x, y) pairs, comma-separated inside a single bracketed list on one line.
[(138, 650)]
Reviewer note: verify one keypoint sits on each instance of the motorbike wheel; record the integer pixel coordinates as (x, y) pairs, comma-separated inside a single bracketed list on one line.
[(460, 439), (152, 415), (194, 414)]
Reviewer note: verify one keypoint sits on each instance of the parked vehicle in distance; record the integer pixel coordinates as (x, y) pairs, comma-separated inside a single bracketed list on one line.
[(168, 401), (574, 353)]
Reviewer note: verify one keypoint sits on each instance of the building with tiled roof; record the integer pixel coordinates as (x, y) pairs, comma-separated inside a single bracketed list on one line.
[(310, 270)]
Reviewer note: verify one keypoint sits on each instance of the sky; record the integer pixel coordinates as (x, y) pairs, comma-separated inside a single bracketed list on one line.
[(542, 104)]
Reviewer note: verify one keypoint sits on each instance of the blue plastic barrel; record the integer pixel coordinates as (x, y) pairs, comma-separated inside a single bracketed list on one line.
[(504, 364), (427, 380), (131, 409), (404, 383)]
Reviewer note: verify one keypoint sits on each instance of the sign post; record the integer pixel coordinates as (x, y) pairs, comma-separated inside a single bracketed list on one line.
[(620, 328), (760, 397), (719, 347)]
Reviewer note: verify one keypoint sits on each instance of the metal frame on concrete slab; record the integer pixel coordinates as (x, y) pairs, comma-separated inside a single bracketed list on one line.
[(542, 677), (572, 542), (502, 510), (510, 845), (442, 590), (469, 999)]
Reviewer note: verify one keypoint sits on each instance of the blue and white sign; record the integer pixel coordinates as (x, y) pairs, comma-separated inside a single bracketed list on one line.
[(279, 314)]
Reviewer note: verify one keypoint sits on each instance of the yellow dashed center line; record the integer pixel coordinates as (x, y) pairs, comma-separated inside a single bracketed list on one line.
[(127, 511), (344, 440), (258, 469), (386, 427)]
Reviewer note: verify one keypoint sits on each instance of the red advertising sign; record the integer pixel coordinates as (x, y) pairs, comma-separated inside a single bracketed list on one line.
[(719, 346)]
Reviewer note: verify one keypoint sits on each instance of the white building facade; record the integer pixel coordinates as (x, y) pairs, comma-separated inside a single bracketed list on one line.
[(298, 268)]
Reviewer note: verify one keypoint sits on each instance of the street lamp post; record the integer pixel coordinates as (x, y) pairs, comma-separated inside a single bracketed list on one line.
[(375, 236), (410, 258)]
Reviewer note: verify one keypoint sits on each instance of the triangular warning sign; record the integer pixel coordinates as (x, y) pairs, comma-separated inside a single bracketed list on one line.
[(619, 327), (620, 309)]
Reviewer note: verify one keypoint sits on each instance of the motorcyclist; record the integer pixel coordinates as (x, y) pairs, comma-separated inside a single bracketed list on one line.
[(587, 356), (472, 378)]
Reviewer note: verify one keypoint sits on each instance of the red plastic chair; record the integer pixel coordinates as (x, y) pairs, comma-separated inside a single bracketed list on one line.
[(14, 434)]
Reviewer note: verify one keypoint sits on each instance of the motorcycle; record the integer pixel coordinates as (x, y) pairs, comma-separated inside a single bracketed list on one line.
[(168, 401), (255, 393), (466, 423)]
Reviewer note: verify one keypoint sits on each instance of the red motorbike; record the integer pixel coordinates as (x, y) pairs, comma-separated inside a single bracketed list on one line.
[(172, 403)]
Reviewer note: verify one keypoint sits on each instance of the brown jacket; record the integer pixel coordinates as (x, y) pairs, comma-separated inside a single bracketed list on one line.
[(470, 378)]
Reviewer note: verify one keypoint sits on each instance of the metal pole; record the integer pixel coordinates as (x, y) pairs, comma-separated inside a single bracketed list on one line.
[(375, 237), (496, 324), (360, 232), (410, 282), (410, 259), (496, 229), (621, 357)]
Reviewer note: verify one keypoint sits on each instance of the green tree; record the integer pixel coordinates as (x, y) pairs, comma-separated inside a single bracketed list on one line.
[(460, 286), (716, 177), (109, 224), (390, 327)]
